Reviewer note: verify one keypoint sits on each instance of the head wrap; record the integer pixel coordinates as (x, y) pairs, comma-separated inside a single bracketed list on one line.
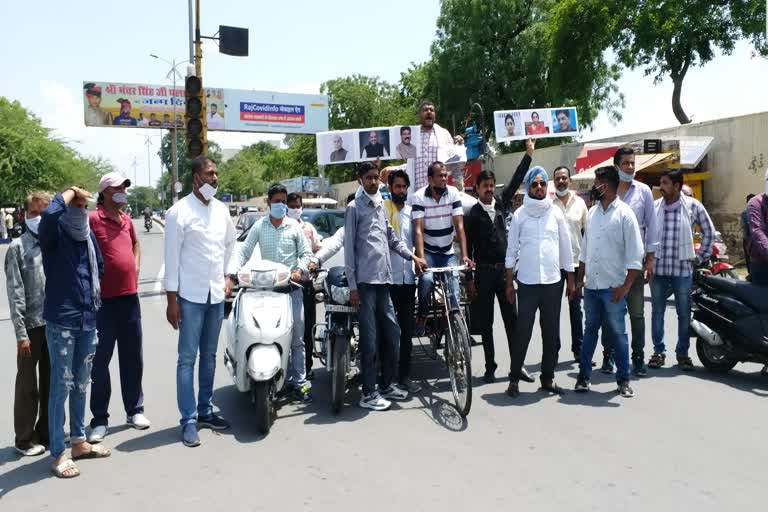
[(532, 174), (91, 89)]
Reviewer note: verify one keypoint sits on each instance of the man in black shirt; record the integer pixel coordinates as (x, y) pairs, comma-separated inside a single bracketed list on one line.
[(487, 247)]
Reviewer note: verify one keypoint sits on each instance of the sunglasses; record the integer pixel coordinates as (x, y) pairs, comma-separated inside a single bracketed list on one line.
[(537, 184)]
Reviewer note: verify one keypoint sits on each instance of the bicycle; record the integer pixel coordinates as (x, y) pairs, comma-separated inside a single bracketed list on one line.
[(443, 320)]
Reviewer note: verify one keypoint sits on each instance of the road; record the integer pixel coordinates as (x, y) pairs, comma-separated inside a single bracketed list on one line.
[(686, 441)]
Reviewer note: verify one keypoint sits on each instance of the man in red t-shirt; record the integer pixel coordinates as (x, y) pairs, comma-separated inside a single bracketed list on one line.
[(119, 319)]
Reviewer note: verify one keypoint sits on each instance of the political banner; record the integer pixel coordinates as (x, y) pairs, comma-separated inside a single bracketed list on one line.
[(535, 123), (162, 106), (366, 144)]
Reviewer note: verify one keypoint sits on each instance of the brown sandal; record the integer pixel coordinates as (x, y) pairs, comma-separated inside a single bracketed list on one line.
[(685, 363), (656, 361)]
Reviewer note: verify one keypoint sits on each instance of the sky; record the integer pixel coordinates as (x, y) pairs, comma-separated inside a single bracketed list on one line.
[(294, 47)]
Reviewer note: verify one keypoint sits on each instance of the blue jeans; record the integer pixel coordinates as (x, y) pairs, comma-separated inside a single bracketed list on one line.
[(379, 333), (71, 353), (599, 310), (427, 281), (661, 287), (297, 365), (199, 329)]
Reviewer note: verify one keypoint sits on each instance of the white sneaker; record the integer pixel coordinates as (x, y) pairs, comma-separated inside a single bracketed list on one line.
[(97, 434), (394, 393), (32, 451), (374, 402), (139, 421)]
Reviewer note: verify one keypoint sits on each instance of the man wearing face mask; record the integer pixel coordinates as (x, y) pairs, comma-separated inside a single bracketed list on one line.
[(538, 250), (295, 209), (575, 210), (73, 268), (610, 260), (199, 243), (282, 240), (26, 292), (119, 319), (637, 195)]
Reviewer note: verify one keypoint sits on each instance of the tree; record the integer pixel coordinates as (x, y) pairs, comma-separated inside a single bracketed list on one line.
[(243, 174), (184, 164), (31, 158), (664, 37), (141, 197)]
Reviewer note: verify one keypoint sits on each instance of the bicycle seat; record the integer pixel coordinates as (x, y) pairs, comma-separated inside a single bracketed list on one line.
[(750, 294)]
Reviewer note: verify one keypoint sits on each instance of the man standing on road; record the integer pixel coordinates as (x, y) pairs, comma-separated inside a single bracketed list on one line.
[(295, 210), (368, 238), (73, 267), (610, 261), (434, 235), (403, 288), (282, 240), (119, 319), (487, 247), (575, 210), (538, 250), (26, 292), (199, 242), (677, 216), (757, 213), (637, 195)]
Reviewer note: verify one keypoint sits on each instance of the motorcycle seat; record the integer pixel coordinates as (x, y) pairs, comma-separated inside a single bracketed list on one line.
[(750, 294)]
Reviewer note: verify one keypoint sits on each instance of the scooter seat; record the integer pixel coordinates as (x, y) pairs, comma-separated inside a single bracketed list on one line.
[(750, 294)]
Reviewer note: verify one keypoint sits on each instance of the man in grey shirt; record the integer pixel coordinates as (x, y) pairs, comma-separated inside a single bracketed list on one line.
[(26, 294), (368, 237)]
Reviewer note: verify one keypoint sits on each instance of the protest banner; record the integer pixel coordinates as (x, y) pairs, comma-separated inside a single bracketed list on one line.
[(535, 123)]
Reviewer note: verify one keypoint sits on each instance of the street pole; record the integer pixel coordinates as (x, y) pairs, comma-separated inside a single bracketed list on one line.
[(148, 143), (191, 35), (199, 74), (174, 158), (134, 165)]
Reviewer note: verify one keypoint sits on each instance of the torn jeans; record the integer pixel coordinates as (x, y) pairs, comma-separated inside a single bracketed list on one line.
[(71, 352)]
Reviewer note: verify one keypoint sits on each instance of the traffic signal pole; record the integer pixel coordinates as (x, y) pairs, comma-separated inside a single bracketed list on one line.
[(199, 74)]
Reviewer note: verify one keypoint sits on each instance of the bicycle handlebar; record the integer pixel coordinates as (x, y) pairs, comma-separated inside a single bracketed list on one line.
[(440, 270)]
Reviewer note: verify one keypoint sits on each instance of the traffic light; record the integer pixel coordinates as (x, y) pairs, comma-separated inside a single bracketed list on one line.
[(197, 136)]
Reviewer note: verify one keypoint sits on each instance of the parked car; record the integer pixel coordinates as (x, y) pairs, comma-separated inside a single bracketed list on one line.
[(326, 222), (246, 220)]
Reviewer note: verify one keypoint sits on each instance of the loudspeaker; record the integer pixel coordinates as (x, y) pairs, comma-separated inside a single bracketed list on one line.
[(233, 41)]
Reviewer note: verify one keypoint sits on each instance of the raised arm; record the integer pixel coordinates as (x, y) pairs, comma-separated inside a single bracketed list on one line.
[(517, 179)]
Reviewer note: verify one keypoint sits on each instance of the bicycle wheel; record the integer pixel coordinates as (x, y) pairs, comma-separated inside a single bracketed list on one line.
[(459, 361)]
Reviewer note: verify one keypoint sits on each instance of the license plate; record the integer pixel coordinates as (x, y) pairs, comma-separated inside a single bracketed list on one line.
[(333, 308)]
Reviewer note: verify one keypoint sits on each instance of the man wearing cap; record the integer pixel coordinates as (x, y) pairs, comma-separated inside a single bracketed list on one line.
[(119, 319), (94, 116), (538, 249), (124, 119)]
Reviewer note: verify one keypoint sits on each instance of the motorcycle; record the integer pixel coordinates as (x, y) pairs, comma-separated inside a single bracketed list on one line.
[(148, 223), (730, 322), (336, 344), (258, 332), (719, 262)]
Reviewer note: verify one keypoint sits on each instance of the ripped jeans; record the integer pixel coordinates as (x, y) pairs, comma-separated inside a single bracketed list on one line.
[(71, 352)]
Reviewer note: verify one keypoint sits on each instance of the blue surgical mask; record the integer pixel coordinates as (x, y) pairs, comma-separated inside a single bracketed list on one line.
[(278, 210), (33, 224), (626, 177)]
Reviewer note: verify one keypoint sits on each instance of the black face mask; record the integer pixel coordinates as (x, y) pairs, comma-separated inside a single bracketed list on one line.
[(398, 198), (596, 194)]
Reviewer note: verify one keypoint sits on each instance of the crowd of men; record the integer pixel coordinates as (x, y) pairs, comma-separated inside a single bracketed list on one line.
[(72, 283)]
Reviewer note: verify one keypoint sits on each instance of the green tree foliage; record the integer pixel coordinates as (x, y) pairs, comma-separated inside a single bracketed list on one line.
[(184, 164), (31, 158), (665, 38), (141, 197)]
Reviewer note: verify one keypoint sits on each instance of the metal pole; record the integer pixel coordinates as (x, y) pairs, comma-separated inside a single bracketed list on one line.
[(149, 162), (199, 74), (174, 157), (191, 35)]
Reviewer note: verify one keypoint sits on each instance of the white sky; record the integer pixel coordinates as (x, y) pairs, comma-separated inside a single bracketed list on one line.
[(50, 47)]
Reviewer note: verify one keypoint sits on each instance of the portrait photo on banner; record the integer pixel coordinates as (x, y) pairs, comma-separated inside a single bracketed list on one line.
[(374, 143), (535, 123), (336, 147), (405, 146)]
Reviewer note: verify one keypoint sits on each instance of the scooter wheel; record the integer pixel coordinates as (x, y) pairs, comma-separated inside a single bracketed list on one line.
[(263, 406), (713, 358)]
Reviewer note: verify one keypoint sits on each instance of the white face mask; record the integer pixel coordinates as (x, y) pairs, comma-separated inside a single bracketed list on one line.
[(207, 191), (120, 197), (33, 224), (561, 193), (295, 213)]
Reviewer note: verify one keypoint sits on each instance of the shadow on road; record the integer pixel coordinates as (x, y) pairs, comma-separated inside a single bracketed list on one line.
[(38, 469), (752, 382), (155, 439)]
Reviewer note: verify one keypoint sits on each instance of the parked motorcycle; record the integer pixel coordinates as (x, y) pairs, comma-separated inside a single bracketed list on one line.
[(335, 341), (259, 331), (719, 262), (730, 322)]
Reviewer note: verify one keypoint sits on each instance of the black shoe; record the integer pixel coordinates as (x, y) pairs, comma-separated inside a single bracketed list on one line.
[(513, 390), (625, 390), (213, 422), (489, 377), (582, 385), (550, 387), (525, 376)]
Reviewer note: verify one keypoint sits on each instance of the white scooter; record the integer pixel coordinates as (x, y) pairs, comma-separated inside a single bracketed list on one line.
[(259, 331)]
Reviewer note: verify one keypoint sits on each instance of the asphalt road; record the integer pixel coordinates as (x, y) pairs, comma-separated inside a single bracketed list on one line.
[(686, 441)]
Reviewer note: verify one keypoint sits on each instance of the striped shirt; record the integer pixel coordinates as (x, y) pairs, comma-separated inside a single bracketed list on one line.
[(285, 244), (438, 217), (668, 262)]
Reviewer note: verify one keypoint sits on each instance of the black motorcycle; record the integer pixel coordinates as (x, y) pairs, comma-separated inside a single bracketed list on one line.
[(148, 223), (730, 322)]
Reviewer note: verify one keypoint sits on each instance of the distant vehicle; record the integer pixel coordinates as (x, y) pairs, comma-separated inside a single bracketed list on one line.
[(247, 219), (326, 222)]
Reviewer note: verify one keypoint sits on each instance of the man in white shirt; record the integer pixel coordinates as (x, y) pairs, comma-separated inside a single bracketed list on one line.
[(575, 210), (215, 121), (611, 259), (199, 242), (538, 249)]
